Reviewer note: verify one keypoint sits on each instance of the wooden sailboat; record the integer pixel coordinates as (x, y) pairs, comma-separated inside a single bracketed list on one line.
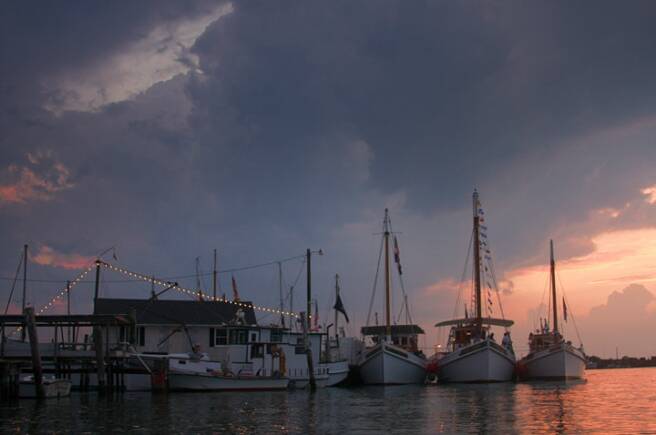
[(550, 356), (473, 355), (393, 356)]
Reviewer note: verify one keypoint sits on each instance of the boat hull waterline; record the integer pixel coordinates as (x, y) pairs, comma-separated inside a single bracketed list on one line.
[(477, 363), (200, 382), (564, 362), (386, 364)]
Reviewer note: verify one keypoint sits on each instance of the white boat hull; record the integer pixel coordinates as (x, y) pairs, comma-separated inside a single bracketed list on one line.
[(197, 382), (51, 388), (561, 362), (484, 361), (337, 372), (386, 364)]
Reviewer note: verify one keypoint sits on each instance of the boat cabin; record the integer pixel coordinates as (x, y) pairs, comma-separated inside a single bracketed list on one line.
[(403, 336)]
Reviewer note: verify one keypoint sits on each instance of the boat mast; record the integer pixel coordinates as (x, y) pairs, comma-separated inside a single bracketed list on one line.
[(477, 262), (336, 312), (386, 234), (553, 288)]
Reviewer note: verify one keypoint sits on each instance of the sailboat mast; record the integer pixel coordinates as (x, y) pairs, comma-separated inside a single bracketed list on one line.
[(477, 261), (386, 234), (553, 288)]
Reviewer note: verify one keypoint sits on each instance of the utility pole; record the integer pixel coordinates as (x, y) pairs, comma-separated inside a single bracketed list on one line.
[(200, 292), (97, 287), (308, 317), (282, 308), (24, 287), (68, 307), (307, 320)]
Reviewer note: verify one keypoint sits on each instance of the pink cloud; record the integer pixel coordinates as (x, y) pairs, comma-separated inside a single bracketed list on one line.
[(47, 256), (40, 180)]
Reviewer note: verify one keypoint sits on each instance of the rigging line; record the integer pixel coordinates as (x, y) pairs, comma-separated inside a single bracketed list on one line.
[(168, 278), (562, 289), (403, 292), (496, 286), (13, 285), (462, 277), (373, 291)]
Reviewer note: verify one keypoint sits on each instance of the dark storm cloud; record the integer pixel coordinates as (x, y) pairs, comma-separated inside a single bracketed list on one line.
[(446, 94), (309, 117)]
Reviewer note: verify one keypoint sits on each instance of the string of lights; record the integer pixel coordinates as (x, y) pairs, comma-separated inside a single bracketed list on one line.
[(60, 294), (175, 286)]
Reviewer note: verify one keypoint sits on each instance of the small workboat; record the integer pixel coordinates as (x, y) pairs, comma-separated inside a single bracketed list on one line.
[(52, 387), (190, 373)]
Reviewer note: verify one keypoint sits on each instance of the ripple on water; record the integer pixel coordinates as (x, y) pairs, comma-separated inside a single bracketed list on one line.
[(620, 401)]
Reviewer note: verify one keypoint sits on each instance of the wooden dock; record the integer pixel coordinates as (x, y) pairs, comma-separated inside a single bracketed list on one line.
[(63, 356)]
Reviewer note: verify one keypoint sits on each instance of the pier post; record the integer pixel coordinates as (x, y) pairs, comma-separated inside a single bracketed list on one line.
[(308, 351), (100, 357), (30, 324)]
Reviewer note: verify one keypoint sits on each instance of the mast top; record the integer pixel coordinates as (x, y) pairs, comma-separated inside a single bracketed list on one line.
[(475, 203), (386, 222)]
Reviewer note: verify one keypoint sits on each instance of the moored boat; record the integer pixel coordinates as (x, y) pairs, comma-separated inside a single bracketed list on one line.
[(550, 356), (392, 355), (473, 354), (52, 387)]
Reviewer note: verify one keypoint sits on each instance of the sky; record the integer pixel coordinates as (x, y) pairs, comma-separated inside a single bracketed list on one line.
[(168, 129)]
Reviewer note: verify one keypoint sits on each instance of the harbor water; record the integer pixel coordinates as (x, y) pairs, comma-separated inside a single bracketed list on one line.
[(609, 401)]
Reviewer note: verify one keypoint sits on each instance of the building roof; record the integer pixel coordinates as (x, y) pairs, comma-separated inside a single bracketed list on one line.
[(396, 330), (168, 311)]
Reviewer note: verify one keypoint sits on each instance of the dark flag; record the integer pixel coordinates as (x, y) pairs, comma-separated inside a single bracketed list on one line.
[(397, 256), (339, 306), (564, 310)]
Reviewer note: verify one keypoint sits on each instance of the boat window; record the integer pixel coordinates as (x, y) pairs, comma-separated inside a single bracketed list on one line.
[(238, 336), (253, 336)]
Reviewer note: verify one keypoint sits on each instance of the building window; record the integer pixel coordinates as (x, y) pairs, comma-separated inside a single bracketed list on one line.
[(221, 337), (300, 346), (141, 334), (276, 335), (253, 337), (257, 351)]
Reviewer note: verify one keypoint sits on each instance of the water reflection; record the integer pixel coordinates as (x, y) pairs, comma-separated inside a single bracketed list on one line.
[(613, 400)]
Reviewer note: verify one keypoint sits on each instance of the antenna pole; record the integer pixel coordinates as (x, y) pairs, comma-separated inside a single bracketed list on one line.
[(553, 288), (24, 286), (477, 262), (386, 233), (214, 277)]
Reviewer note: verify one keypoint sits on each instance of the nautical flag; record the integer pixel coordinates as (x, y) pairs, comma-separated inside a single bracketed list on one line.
[(483, 235), (397, 256), (114, 255), (339, 306), (564, 310), (235, 293), (483, 227)]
